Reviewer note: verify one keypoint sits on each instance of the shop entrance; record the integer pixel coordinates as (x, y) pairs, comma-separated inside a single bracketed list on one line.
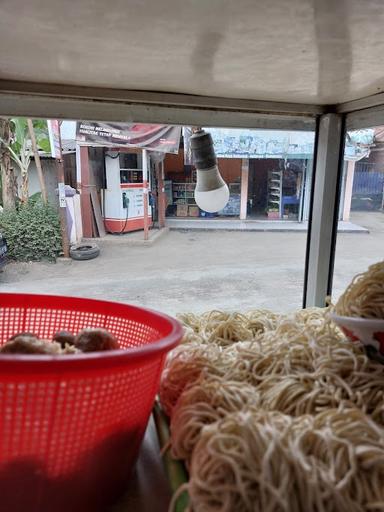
[(277, 189), (258, 187)]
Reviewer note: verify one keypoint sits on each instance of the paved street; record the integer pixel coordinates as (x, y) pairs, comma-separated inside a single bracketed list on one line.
[(201, 270)]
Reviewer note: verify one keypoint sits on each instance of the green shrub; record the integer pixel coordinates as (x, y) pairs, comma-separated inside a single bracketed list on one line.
[(32, 231)]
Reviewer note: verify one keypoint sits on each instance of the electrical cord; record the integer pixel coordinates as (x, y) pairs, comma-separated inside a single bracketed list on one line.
[(126, 217)]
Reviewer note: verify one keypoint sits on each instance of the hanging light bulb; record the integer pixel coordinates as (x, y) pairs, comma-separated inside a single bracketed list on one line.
[(211, 192)]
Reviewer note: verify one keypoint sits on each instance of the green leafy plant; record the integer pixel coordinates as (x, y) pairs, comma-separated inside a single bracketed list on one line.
[(20, 146), (32, 231)]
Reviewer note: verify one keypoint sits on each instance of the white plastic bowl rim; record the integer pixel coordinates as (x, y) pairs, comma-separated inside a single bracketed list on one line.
[(363, 328)]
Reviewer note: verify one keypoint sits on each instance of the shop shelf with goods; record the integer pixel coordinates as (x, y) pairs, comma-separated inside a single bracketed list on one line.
[(184, 193), (292, 191), (275, 183), (184, 199)]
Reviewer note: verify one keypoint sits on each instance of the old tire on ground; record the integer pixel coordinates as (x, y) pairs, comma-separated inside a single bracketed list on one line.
[(84, 251)]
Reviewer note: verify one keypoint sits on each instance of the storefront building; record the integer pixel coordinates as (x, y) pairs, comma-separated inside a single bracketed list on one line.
[(268, 172), (130, 185)]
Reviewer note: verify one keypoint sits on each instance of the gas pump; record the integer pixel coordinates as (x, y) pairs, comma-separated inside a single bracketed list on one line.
[(124, 192)]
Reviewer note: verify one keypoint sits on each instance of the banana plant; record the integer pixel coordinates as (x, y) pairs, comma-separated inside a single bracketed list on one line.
[(20, 147)]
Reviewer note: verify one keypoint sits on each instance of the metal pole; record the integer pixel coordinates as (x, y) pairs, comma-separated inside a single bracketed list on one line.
[(85, 196), (382, 200), (62, 200), (322, 228), (145, 192), (244, 188), (161, 193)]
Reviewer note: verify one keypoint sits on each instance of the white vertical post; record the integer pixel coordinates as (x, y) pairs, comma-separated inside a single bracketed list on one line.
[(78, 166), (323, 221), (244, 188), (348, 189), (307, 189), (145, 192)]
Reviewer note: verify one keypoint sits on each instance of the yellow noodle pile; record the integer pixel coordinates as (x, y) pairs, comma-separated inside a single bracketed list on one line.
[(184, 366), (270, 462), (205, 402), (225, 328), (275, 413), (364, 297)]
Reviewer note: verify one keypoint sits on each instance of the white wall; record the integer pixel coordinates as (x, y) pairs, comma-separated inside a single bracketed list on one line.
[(50, 177)]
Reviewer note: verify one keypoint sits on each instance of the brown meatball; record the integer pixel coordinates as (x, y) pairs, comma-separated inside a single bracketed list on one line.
[(64, 338), (95, 340), (27, 343)]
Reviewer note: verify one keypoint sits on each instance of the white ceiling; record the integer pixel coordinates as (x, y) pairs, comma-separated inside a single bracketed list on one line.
[(305, 51)]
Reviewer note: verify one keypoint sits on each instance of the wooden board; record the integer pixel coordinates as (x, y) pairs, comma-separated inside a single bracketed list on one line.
[(97, 212)]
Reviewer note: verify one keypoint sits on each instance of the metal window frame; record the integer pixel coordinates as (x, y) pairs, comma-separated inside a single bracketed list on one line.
[(355, 115), (324, 212), (366, 118), (309, 229), (73, 102), (106, 95), (69, 102)]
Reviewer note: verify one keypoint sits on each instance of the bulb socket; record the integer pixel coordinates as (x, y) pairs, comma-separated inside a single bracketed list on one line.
[(203, 153)]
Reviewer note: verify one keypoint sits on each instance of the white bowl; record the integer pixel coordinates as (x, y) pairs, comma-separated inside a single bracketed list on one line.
[(368, 331)]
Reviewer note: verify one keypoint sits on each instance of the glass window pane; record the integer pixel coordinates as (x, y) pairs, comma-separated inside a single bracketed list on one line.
[(250, 254), (360, 240)]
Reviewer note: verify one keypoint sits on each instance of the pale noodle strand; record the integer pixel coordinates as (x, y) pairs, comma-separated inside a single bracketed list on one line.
[(225, 328), (304, 366), (205, 402), (309, 432), (184, 366), (364, 297), (258, 461)]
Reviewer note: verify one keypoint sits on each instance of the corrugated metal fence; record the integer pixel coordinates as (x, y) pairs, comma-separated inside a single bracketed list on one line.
[(368, 180)]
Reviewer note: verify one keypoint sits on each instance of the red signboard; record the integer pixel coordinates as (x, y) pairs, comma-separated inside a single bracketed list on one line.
[(154, 137)]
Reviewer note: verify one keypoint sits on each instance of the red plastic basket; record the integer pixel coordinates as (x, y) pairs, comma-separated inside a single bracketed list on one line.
[(71, 426)]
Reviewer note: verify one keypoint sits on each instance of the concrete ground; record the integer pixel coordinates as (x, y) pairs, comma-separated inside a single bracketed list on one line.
[(200, 270)]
